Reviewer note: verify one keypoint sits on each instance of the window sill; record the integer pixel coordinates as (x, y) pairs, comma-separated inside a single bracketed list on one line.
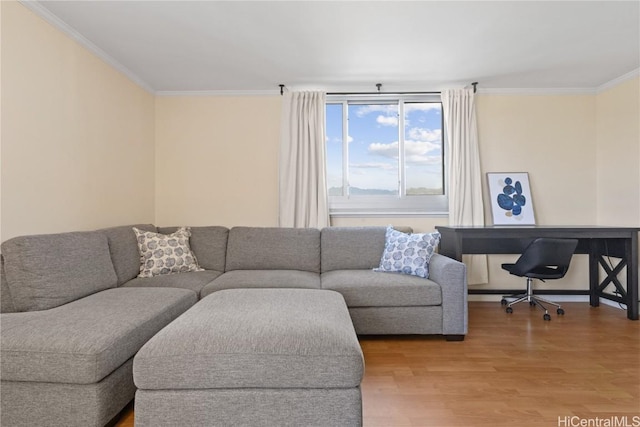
[(386, 214)]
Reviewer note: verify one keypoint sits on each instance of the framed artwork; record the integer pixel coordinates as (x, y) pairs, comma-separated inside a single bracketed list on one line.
[(511, 202)]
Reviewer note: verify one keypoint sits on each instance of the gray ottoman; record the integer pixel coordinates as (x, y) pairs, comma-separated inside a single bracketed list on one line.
[(267, 357)]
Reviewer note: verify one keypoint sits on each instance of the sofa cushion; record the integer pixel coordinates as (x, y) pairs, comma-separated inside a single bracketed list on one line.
[(209, 245), (255, 248), (165, 253), (408, 253), (263, 279), (46, 271), (194, 281), (6, 303), (367, 288), (84, 341), (124, 251), (351, 248)]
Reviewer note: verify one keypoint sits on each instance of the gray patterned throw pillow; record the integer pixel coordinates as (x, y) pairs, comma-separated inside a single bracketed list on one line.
[(165, 253), (408, 253)]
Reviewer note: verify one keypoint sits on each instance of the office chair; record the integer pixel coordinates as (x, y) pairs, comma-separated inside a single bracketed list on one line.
[(543, 259)]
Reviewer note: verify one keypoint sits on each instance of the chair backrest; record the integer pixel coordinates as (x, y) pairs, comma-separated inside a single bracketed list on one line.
[(545, 256)]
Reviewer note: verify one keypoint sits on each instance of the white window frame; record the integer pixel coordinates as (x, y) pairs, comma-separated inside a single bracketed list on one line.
[(387, 206)]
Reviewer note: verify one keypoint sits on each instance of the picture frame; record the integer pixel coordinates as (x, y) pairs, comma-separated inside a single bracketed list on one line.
[(511, 200)]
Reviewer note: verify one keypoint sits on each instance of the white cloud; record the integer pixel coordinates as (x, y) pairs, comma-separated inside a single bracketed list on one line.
[(421, 106), (387, 120), (338, 140), (387, 109), (349, 139), (373, 176), (421, 134), (385, 150), (373, 165), (419, 152), (416, 152), (392, 109)]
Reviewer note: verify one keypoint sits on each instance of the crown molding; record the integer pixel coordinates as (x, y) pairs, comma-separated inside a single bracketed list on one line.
[(615, 82), (538, 91), (169, 93), (52, 19), (562, 91)]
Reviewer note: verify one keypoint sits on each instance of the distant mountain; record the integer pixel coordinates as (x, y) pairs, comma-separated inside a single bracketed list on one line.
[(421, 191), (355, 191)]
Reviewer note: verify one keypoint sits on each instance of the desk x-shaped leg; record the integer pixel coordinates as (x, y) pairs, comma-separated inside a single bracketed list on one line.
[(600, 257)]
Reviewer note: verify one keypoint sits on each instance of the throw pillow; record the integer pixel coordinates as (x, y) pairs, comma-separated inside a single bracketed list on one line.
[(408, 253), (165, 253)]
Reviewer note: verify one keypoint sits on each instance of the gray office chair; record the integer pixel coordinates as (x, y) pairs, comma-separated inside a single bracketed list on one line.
[(543, 259)]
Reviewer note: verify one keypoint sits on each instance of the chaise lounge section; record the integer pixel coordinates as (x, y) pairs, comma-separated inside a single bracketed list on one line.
[(67, 356)]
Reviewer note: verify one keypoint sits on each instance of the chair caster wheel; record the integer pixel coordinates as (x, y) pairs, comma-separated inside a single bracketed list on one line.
[(509, 310), (546, 316), (560, 312), (503, 302), (532, 304)]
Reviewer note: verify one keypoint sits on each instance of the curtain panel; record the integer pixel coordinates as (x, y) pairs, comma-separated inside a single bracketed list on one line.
[(465, 177), (302, 177)]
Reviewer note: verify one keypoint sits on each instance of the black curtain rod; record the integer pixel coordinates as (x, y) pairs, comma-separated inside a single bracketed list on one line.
[(383, 93), (379, 85)]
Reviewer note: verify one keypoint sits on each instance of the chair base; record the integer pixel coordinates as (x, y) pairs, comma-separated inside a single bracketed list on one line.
[(532, 300)]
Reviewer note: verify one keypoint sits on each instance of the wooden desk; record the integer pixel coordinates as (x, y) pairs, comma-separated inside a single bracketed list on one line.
[(599, 243)]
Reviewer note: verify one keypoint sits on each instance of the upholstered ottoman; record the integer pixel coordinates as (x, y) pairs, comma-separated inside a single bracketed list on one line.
[(268, 357)]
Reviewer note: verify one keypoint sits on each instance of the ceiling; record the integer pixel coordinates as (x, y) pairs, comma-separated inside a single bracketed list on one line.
[(252, 46)]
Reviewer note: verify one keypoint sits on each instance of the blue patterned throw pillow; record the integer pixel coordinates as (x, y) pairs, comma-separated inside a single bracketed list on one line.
[(408, 253)]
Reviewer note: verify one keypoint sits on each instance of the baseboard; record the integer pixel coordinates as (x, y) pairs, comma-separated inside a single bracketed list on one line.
[(557, 298)]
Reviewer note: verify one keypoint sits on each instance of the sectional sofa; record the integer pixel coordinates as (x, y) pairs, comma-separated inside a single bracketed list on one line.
[(75, 312)]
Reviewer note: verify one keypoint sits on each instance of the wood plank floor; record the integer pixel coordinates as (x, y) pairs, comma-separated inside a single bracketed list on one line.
[(511, 370)]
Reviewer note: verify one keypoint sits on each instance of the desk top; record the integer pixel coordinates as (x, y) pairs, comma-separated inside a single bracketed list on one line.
[(584, 231), (536, 227)]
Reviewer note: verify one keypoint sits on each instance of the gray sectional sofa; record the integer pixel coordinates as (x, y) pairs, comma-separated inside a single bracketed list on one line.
[(74, 312)]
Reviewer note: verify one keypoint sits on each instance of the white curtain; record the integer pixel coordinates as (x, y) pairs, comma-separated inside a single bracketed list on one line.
[(465, 177), (302, 182)]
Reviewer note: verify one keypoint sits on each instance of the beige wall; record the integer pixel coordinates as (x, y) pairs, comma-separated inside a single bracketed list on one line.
[(217, 163), (77, 135), (218, 177), (618, 154), (1, 239), (217, 160), (553, 139), (419, 224)]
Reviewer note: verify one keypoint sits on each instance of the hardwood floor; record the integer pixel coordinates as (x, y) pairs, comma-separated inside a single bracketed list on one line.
[(511, 370)]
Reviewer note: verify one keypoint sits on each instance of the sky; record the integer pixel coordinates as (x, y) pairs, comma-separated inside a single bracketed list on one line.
[(373, 145)]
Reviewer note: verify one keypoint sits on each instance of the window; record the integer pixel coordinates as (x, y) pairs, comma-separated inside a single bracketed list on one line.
[(385, 155)]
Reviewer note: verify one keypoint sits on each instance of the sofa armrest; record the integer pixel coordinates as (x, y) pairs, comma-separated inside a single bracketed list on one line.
[(451, 275)]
